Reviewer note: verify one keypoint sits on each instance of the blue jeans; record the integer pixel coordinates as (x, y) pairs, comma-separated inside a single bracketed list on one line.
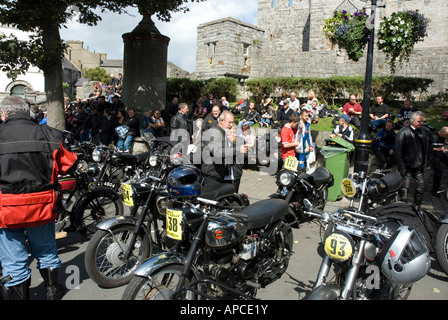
[(240, 126), (14, 252), (378, 123), (125, 144)]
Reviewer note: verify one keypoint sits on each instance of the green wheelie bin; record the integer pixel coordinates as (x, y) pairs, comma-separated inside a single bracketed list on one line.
[(337, 160)]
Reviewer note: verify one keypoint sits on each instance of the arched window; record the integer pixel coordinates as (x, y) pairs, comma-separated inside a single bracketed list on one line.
[(18, 91)]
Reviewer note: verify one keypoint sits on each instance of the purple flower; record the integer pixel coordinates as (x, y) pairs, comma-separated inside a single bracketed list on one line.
[(345, 18), (344, 12)]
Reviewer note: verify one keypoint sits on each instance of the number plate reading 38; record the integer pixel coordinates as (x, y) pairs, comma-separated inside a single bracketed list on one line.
[(173, 224), (291, 163), (338, 247)]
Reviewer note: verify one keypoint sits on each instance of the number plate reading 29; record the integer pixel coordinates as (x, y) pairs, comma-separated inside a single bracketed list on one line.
[(173, 224), (339, 246), (291, 163)]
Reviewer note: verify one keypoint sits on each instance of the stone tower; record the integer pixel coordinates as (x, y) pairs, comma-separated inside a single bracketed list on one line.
[(145, 67)]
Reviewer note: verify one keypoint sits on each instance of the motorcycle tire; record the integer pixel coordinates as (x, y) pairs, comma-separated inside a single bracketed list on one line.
[(160, 286), (104, 255), (441, 247), (97, 210)]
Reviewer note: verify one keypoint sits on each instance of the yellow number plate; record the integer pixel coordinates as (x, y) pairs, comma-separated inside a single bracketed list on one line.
[(348, 188), (127, 194), (173, 224), (338, 247), (291, 163)]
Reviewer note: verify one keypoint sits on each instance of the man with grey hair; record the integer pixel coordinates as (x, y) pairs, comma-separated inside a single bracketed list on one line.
[(219, 152), (413, 153), (31, 158)]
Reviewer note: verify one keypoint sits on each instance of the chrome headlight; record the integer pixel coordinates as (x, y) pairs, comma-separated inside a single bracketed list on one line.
[(93, 169), (153, 160), (96, 155), (286, 178)]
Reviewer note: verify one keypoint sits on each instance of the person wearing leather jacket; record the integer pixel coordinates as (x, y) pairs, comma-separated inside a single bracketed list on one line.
[(180, 121), (413, 153), (219, 153), (31, 158)]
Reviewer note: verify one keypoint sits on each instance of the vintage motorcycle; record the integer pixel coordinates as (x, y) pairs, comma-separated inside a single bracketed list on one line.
[(375, 260), (216, 253), (121, 244), (381, 187), (295, 185), (81, 204), (116, 167), (4, 279), (380, 197)]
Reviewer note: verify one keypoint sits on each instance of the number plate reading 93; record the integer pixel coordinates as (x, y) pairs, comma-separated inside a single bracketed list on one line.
[(338, 246), (174, 224)]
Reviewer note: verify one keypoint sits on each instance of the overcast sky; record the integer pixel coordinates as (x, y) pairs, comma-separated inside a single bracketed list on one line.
[(106, 36)]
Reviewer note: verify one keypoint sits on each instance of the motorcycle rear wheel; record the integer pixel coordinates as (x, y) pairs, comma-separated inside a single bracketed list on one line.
[(104, 255), (441, 247), (160, 286)]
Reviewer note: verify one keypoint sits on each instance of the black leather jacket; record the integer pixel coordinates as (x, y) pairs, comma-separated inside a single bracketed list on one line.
[(413, 148), (179, 121)]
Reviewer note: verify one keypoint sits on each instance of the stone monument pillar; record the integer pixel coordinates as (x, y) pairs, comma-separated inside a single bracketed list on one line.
[(145, 67)]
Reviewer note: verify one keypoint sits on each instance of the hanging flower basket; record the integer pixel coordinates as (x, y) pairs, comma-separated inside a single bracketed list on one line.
[(399, 33), (348, 31)]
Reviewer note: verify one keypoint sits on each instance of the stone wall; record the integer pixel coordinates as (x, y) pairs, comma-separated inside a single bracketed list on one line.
[(290, 42), (225, 48)]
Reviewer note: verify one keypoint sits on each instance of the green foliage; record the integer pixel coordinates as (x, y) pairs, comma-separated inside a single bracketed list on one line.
[(348, 31), (191, 90), (44, 18), (399, 33), (329, 89), (97, 74)]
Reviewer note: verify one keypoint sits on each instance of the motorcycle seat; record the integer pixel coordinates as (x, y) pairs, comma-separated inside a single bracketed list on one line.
[(393, 181), (130, 158), (319, 177), (216, 191), (264, 212)]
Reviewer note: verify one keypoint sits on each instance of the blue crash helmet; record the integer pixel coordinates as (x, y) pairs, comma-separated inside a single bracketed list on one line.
[(184, 182)]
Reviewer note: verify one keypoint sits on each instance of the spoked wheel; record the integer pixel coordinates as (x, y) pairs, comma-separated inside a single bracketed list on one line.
[(105, 255), (441, 247), (99, 209), (160, 286)]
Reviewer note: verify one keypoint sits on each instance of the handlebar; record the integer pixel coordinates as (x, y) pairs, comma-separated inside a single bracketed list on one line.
[(359, 223)]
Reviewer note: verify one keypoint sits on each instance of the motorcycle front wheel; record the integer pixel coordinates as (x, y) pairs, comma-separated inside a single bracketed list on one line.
[(441, 247), (105, 255), (159, 286)]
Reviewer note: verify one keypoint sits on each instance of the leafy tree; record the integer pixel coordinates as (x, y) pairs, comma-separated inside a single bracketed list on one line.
[(97, 74), (45, 47)]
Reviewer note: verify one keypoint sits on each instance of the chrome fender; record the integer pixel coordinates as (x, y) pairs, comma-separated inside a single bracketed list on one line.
[(111, 223), (157, 262), (325, 292), (82, 201)]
